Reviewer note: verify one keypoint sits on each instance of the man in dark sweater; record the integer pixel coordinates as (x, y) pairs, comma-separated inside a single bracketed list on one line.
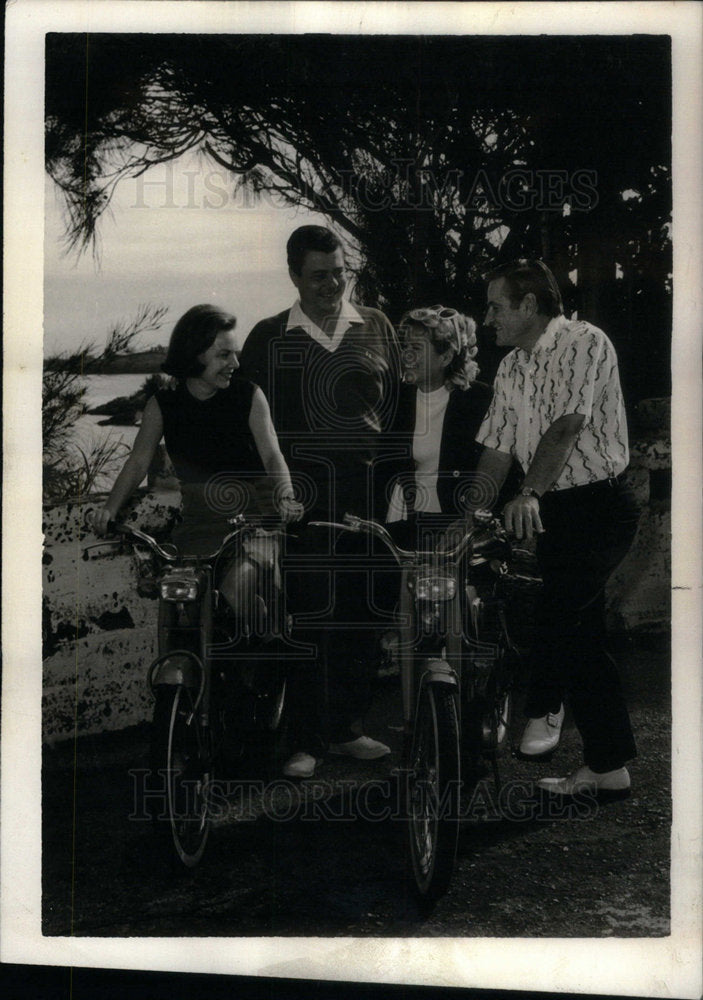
[(330, 372)]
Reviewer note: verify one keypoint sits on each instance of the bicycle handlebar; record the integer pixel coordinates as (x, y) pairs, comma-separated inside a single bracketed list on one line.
[(113, 527), (485, 522), (241, 525), (358, 524)]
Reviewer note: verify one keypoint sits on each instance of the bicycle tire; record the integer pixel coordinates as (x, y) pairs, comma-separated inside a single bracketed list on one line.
[(488, 706), (433, 793), (277, 705), (178, 761), (497, 722)]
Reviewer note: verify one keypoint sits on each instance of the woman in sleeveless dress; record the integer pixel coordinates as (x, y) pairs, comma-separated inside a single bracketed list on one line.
[(218, 434)]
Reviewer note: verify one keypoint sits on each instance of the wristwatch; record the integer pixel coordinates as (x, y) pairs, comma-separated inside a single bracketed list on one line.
[(526, 491)]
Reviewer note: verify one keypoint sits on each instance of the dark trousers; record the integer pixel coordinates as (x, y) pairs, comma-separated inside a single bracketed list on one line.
[(332, 585), (588, 531)]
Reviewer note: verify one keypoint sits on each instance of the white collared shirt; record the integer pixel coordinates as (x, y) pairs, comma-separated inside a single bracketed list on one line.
[(572, 368), (348, 315)]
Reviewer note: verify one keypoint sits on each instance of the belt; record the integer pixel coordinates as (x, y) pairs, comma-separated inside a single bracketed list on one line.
[(599, 486)]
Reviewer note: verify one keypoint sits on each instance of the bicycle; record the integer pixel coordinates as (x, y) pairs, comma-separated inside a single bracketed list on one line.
[(457, 665), (205, 653)]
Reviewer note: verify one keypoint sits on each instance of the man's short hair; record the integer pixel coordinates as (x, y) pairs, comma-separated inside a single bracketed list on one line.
[(307, 238), (524, 276)]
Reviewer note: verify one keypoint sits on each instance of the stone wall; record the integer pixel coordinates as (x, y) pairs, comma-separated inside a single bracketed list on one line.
[(639, 592), (99, 635)]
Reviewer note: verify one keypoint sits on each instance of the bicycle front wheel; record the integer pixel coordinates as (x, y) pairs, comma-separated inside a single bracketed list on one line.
[(179, 759), (434, 787)]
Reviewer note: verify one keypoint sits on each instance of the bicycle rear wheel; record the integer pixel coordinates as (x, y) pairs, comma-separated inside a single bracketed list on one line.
[(496, 723), (178, 756), (434, 787)]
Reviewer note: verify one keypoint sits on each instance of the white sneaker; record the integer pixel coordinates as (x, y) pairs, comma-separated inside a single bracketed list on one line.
[(300, 765), (363, 748), (542, 735), (606, 786)]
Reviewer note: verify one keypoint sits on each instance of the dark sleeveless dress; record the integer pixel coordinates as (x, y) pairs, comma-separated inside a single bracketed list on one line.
[(215, 458)]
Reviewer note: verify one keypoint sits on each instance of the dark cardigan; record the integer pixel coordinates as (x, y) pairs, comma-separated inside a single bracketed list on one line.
[(459, 452)]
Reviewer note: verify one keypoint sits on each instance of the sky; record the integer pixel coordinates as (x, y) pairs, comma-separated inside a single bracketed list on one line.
[(177, 236)]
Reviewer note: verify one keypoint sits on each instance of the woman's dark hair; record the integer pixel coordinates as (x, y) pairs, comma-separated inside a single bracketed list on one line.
[(192, 335), (525, 276), (307, 238)]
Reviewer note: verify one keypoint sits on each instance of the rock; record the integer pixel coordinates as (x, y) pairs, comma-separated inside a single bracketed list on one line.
[(116, 405), (126, 411), (125, 418), (654, 414)]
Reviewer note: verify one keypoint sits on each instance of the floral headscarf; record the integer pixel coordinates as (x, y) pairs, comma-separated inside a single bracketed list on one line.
[(448, 328)]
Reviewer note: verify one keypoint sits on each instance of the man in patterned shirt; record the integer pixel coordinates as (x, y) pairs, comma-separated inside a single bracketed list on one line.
[(558, 410)]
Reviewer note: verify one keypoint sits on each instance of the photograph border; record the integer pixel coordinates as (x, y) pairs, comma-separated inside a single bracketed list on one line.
[(647, 966)]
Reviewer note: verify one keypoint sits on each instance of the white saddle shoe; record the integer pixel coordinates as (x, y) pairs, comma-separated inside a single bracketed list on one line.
[(363, 748), (542, 735), (607, 786), (300, 765)]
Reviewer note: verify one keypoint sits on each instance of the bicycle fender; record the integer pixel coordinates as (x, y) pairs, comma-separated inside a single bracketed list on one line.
[(434, 671), (438, 671), (177, 668)]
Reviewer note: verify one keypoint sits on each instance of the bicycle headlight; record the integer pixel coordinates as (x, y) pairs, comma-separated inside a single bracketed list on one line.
[(435, 588), (179, 588)]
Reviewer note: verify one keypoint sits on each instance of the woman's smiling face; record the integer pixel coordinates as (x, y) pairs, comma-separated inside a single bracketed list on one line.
[(219, 361), (422, 365)]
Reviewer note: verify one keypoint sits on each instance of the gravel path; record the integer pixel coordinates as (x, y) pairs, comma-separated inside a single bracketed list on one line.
[(327, 858)]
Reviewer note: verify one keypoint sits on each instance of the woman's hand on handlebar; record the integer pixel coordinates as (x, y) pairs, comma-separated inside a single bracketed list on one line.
[(289, 509), (100, 519)]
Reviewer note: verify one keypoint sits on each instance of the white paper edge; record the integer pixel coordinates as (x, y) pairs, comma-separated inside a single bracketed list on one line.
[(643, 967)]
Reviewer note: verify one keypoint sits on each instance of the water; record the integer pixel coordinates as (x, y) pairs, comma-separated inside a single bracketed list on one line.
[(88, 432), (103, 388)]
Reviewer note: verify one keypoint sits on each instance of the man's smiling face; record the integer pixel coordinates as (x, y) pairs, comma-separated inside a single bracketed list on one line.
[(321, 284), (510, 322)]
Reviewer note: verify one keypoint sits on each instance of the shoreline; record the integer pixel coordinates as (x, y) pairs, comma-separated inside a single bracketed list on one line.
[(138, 363)]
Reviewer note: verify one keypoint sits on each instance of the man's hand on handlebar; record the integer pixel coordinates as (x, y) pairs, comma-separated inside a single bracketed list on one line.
[(521, 517)]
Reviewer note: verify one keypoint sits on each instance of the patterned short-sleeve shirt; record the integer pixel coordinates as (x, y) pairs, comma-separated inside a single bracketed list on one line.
[(571, 369)]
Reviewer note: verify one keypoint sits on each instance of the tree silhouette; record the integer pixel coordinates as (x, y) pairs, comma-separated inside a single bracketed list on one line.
[(436, 156)]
